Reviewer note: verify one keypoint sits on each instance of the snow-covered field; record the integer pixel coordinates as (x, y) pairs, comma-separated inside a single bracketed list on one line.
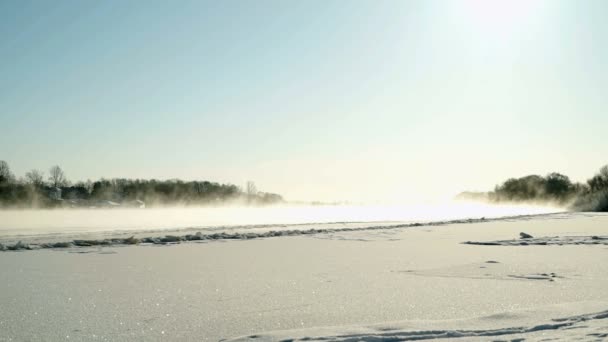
[(392, 284)]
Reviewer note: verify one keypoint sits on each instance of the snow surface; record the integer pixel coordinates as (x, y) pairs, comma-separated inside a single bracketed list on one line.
[(372, 285), (522, 325)]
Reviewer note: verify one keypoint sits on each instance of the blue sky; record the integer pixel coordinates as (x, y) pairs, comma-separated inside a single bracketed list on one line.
[(329, 100)]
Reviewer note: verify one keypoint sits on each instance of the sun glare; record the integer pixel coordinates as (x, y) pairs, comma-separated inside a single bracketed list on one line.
[(499, 16)]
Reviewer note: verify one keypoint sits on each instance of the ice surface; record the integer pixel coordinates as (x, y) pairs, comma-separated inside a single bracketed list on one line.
[(413, 279), (112, 238), (547, 241), (27, 223)]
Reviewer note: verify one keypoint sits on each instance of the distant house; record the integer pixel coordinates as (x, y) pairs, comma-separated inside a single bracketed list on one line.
[(74, 193), (54, 193)]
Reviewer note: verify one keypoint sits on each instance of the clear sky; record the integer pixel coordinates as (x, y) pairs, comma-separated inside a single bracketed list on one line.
[(327, 100)]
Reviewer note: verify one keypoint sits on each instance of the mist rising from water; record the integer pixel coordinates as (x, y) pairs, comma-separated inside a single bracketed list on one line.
[(33, 222)]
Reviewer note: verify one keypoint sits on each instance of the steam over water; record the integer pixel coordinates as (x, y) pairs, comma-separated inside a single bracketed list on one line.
[(44, 222)]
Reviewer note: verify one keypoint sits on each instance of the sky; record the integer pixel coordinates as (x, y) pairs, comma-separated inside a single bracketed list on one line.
[(315, 100)]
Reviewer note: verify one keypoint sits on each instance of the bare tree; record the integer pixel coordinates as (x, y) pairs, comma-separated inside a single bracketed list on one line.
[(89, 186), (57, 177), (252, 190), (35, 177), (5, 172), (604, 172)]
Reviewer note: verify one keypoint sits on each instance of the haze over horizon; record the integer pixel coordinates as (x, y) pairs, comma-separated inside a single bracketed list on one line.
[(315, 100)]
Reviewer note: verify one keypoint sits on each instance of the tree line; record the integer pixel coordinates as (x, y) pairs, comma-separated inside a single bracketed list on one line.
[(36, 190), (554, 188)]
